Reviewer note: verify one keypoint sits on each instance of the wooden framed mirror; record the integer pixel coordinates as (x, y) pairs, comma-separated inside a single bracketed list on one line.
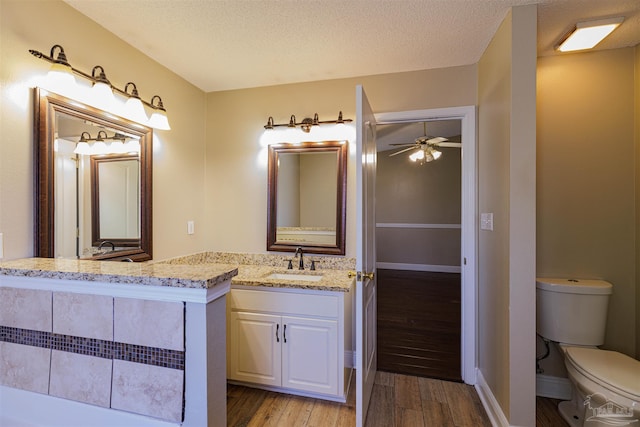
[(115, 199), (64, 227), (307, 185)]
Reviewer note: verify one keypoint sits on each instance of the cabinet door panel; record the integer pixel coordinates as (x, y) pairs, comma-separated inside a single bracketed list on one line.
[(310, 354), (255, 350)]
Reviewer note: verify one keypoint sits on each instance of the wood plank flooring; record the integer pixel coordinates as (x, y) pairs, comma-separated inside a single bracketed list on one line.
[(398, 400), (418, 323)]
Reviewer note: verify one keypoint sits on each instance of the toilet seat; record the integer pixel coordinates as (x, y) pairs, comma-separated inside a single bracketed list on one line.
[(609, 369)]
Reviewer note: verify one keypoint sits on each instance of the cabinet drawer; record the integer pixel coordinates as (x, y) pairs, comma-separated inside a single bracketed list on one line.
[(285, 302)]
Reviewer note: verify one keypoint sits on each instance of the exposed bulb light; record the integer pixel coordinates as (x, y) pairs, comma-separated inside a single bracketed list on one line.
[(158, 118), (435, 153), (133, 108), (587, 35)]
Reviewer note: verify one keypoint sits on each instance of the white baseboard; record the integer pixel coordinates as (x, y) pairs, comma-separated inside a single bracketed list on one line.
[(349, 359), (491, 405), (553, 387)]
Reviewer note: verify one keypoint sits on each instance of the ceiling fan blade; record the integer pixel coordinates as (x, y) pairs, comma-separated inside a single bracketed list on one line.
[(401, 151), (436, 140), (449, 144)]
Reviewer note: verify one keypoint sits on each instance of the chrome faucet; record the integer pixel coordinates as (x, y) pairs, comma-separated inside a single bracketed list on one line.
[(107, 242), (301, 264)]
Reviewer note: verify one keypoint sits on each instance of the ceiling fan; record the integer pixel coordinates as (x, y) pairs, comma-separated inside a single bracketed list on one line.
[(426, 147)]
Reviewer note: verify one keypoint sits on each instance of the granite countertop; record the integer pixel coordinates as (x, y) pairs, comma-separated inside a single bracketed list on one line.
[(253, 269), (254, 275), (201, 276)]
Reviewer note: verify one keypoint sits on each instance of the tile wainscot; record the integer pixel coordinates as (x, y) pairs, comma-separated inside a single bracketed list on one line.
[(136, 344)]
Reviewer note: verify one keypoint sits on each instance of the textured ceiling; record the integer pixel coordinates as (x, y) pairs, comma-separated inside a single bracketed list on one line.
[(231, 44)]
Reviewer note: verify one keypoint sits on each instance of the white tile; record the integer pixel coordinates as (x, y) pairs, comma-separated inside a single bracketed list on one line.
[(25, 367), (82, 378), (25, 308), (150, 323), (148, 390), (83, 315)]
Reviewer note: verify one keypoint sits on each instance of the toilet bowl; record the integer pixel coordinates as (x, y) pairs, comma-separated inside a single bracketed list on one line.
[(605, 384), (606, 388)]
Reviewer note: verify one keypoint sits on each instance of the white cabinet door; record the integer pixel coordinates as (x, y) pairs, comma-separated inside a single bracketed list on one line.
[(255, 348), (310, 354)]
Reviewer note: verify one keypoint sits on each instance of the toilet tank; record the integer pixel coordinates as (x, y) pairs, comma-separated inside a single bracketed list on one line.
[(572, 311)]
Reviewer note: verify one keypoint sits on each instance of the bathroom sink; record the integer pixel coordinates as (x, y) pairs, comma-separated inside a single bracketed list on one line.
[(295, 276)]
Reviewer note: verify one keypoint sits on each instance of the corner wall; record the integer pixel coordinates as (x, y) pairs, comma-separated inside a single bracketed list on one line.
[(178, 161), (506, 147), (587, 194)]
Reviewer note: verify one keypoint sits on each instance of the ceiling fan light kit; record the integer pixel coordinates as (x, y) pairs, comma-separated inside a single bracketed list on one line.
[(426, 148)]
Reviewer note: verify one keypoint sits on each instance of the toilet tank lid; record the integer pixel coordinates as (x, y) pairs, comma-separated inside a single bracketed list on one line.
[(575, 286)]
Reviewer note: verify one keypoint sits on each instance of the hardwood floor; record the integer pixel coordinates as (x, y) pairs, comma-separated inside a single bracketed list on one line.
[(398, 400), (418, 323)]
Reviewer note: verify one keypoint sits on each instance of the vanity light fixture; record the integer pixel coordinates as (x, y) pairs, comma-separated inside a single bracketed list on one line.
[(100, 147), (585, 35), (306, 123), (134, 108), (104, 89), (158, 118), (61, 72)]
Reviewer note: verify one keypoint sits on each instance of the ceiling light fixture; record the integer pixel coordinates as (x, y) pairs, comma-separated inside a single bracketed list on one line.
[(101, 84), (586, 35), (306, 124), (425, 154)]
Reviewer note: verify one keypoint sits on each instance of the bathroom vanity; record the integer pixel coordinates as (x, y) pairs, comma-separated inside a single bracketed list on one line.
[(288, 330), (124, 338), (283, 336)]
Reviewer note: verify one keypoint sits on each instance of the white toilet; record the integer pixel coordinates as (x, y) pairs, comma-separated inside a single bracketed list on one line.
[(606, 384)]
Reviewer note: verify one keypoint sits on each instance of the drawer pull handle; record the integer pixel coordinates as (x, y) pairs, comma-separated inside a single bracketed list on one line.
[(284, 334), (277, 330)]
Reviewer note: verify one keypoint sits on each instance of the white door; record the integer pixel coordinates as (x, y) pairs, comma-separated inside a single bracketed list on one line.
[(366, 360), (310, 354), (255, 348)]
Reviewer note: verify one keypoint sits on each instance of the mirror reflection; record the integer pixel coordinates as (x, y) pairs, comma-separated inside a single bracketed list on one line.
[(93, 183), (115, 199), (307, 185)]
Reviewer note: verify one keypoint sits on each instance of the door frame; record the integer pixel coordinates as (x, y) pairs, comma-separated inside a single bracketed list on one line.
[(469, 235)]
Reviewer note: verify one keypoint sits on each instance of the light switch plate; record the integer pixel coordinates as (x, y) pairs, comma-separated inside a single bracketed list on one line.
[(1, 246), (190, 227), (486, 221)]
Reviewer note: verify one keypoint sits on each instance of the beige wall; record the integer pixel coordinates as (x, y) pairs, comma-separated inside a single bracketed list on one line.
[(506, 141), (178, 169), (637, 157), (586, 178), (236, 162), (407, 192)]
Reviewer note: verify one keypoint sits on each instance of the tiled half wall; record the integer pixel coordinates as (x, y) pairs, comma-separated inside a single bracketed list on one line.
[(118, 353)]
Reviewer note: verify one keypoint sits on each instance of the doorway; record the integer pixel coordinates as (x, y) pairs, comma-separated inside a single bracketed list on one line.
[(418, 211), (451, 263)]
